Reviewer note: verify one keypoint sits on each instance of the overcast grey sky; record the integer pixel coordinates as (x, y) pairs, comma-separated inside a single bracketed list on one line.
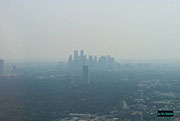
[(125, 29)]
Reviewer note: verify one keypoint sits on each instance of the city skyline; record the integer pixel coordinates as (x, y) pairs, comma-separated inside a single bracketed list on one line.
[(77, 60)]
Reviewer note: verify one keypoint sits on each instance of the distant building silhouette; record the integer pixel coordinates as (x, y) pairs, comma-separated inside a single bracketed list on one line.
[(1, 67), (101, 63), (95, 59), (85, 72), (85, 59), (82, 57), (90, 60), (70, 60), (76, 57), (82, 53)]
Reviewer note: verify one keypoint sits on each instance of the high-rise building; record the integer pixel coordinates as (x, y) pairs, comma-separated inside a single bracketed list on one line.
[(86, 74), (1, 66), (76, 57), (85, 59), (95, 59), (14, 69), (103, 62), (70, 61), (82, 61), (75, 54), (82, 53), (91, 60)]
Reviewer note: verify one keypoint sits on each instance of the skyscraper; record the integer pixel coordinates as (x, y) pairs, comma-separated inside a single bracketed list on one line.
[(91, 60), (82, 53), (86, 74), (82, 57), (75, 54), (85, 59), (76, 57), (70, 60), (1, 66), (95, 59)]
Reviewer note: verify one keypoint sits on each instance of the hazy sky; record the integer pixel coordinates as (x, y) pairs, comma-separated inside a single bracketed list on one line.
[(125, 29)]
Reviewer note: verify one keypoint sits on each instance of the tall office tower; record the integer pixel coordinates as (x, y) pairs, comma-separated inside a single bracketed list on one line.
[(95, 59), (91, 60), (76, 56), (14, 69), (1, 66), (86, 74), (82, 53), (70, 60), (82, 57), (103, 61), (85, 59), (118, 66)]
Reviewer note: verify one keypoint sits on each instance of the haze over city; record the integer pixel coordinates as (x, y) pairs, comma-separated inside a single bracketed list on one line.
[(89, 60), (126, 29)]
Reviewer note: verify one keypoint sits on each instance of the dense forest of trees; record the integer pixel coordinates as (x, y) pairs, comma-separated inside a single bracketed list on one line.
[(34, 100)]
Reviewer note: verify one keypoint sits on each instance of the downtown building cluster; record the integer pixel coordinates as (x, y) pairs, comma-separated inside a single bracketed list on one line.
[(103, 62)]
